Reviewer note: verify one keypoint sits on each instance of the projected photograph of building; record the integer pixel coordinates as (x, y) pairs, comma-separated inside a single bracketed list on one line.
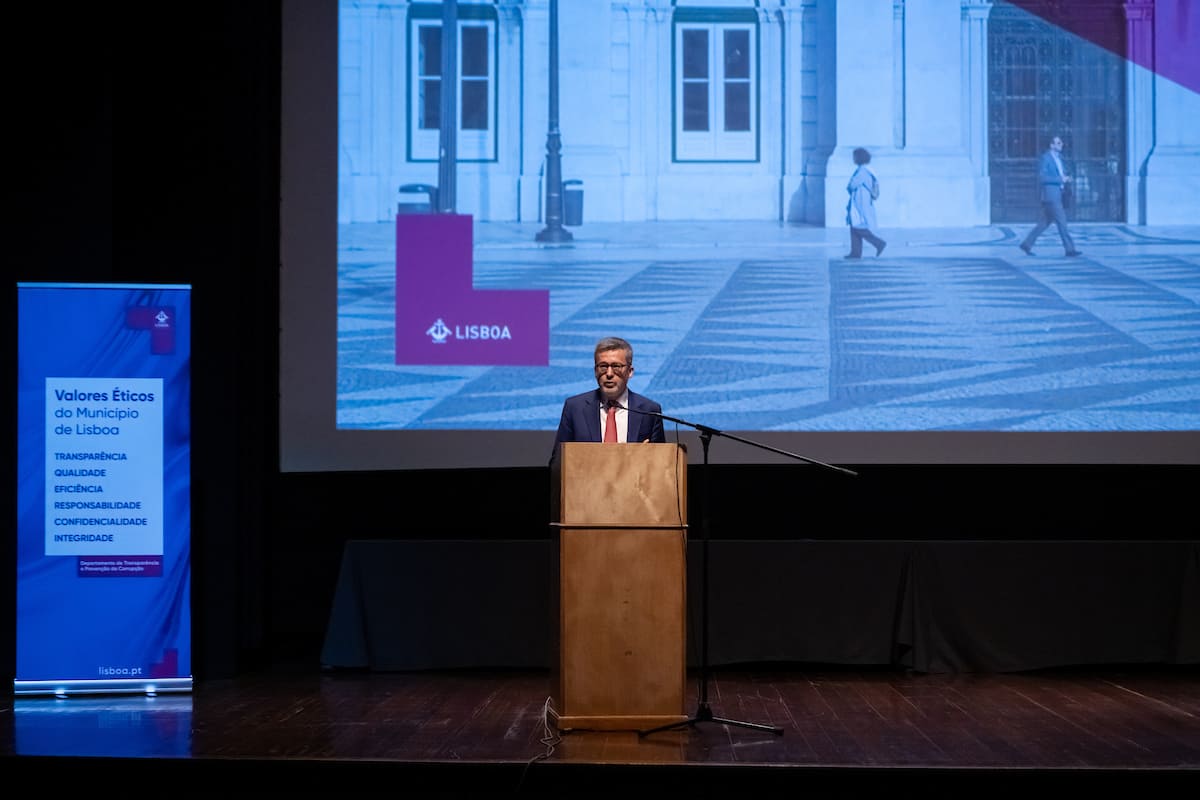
[(676, 174)]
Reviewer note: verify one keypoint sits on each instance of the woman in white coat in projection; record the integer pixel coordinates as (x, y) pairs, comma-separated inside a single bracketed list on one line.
[(860, 210)]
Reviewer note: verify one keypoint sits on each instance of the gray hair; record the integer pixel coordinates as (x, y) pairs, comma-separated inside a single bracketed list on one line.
[(613, 343)]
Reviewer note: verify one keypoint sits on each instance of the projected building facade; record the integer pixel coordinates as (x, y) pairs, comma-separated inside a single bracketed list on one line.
[(749, 110)]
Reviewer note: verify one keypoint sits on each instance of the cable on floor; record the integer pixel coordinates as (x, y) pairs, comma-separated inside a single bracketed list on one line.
[(551, 736)]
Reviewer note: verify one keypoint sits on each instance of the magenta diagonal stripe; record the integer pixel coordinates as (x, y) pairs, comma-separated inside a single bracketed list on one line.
[(1173, 52)]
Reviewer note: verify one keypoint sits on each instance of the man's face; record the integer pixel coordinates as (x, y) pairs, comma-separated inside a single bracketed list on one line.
[(612, 373), (1056, 144)]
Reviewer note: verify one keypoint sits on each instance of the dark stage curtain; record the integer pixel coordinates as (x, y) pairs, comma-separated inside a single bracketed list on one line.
[(928, 606)]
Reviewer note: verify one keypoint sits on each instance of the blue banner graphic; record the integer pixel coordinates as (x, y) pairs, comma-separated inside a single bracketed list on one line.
[(104, 489)]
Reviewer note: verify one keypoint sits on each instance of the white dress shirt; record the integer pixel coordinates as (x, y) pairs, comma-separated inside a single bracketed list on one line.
[(621, 418)]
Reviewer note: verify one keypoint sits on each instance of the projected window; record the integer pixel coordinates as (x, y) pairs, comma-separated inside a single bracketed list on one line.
[(716, 86), (474, 90)]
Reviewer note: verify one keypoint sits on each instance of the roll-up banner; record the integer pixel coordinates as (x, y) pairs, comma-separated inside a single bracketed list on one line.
[(103, 489)]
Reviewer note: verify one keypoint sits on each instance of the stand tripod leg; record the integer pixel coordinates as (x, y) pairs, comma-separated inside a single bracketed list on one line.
[(704, 714), (752, 725)]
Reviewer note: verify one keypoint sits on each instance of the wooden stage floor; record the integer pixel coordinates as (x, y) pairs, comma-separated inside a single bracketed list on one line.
[(844, 733)]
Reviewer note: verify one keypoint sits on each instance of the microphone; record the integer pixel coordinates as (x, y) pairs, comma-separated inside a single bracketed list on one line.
[(659, 414), (619, 407)]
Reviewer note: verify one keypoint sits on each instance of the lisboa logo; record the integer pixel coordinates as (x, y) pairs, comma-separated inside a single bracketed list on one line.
[(440, 332)]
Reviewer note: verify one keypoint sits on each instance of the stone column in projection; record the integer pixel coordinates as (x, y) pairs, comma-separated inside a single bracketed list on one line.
[(911, 88), (863, 96), (1172, 168)]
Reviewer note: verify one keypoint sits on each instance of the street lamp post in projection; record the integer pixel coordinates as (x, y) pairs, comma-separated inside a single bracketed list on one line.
[(554, 232), (444, 200)]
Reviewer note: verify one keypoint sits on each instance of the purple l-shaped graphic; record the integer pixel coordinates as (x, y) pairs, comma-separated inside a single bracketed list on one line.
[(441, 318)]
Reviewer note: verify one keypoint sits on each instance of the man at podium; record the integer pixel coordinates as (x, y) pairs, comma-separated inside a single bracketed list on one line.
[(610, 413)]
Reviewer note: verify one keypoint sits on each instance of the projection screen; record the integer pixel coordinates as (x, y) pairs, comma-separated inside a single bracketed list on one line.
[(436, 311)]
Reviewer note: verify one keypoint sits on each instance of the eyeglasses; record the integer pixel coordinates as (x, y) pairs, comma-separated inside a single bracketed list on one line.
[(617, 368)]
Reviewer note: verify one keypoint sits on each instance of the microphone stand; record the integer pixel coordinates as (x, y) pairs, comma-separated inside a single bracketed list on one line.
[(704, 711)]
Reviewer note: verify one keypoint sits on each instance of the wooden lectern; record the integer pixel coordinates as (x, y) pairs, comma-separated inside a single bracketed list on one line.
[(620, 590)]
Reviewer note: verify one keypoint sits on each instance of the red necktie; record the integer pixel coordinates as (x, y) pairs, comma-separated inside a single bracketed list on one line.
[(610, 425)]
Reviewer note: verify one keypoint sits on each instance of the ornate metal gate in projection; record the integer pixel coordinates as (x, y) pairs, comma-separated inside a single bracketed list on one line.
[(1042, 82)]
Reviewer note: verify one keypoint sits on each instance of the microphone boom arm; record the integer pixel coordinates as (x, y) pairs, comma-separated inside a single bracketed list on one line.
[(704, 711), (706, 431)]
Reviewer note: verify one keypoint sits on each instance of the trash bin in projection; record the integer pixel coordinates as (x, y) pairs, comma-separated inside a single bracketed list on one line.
[(573, 203), (417, 198)]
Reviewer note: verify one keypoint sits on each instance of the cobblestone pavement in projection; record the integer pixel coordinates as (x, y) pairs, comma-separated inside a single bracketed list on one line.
[(764, 326)]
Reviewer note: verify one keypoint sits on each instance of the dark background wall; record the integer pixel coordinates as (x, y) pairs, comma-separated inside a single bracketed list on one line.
[(147, 150)]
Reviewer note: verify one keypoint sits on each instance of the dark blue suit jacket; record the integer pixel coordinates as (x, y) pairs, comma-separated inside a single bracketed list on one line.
[(581, 420), (1050, 179)]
